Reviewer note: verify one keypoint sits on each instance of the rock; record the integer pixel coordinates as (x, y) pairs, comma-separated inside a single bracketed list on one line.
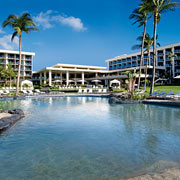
[(7, 122)]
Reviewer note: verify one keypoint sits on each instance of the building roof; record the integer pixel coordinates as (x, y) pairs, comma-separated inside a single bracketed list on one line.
[(73, 68), (17, 52), (138, 53)]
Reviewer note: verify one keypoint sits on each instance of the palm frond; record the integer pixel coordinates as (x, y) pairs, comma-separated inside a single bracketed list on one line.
[(14, 35)]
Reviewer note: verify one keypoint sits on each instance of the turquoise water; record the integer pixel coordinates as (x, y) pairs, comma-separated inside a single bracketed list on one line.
[(86, 138)]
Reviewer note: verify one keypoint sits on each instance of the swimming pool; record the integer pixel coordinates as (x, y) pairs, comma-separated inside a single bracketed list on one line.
[(86, 138)]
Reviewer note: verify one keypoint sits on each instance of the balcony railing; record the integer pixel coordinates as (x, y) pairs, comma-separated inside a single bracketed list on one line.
[(177, 50)]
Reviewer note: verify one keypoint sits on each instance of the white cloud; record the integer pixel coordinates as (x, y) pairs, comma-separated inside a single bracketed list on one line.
[(1, 31), (47, 20), (44, 19), (5, 42), (72, 22)]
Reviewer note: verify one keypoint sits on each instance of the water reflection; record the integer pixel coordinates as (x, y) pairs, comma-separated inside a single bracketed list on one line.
[(87, 138)]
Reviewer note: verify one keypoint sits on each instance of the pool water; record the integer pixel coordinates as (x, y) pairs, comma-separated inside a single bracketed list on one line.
[(86, 138)]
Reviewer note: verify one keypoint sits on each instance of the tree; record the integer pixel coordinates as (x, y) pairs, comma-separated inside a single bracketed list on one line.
[(131, 79), (171, 57), (157, 7), (11, 73), (20, 24), (148, 42), (141, 16)]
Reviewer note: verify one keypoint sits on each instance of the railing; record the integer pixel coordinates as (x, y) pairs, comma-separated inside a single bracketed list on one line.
[(177, 50), (160, 54)]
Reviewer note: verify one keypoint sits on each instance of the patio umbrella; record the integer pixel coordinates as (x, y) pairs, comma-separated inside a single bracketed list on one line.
[(58, 81), (96, 81)]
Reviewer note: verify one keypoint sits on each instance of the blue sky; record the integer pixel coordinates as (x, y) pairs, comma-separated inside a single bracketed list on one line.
[(83, 32)]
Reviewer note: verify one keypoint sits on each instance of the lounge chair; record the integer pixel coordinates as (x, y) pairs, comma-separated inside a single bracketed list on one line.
[(155, 93), (80, 91), (90, 91), (30, 92), (38, 91), (6, 91), (100, 90), (85, 90), (24, 91), (161, 94), (169, 94), (104, 91), (177, 95)]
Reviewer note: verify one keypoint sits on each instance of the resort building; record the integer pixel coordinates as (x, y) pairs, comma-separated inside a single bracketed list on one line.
[(118, 65), (68, 74), (12, 57)]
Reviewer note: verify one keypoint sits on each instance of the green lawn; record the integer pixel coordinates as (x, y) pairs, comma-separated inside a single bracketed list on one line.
[(160, 88)]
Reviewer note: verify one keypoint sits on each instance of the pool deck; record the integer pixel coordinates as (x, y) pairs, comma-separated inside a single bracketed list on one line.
[(55, 95), (167, 174), (174, 103)]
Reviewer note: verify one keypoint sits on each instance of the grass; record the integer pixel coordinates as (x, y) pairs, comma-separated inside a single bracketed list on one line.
[(160, 88)]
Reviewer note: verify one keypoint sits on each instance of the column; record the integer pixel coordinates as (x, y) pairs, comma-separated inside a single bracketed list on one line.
[(82, 78), (61, 76), (40, 77), (106, 83), (67, 78), (164, 57), (45, 78), (50, 78), (173, 66)]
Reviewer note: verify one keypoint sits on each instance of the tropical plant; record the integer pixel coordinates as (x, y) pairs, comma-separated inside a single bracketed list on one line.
[(157, 7), (148, 42), (20, 24), (3, 74), (131, 79), (171, 57), (141, 16), (11, 73)]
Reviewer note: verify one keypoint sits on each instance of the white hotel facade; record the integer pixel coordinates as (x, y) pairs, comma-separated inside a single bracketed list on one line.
[(68, 74), (12, 57)]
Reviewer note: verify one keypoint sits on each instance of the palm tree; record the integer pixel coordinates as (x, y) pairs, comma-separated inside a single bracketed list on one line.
[(20, 24), (157, 7), (11, 73), (141, 16), (171, 57), (131, 79), (148, 42)]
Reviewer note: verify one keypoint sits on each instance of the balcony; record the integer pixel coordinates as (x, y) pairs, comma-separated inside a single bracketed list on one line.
[(177, 58), (160, 54), (124, 61), (10, 57), (177, 51), (2, 62), (160, 60)]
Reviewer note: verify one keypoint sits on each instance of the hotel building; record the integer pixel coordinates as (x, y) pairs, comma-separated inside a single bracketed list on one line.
[(68, 74), (80, 74), (12, 57), (118, 65)]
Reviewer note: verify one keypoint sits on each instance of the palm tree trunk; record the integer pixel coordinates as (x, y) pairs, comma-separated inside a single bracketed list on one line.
[(154, 52), (19, 68), (142, 54), (10, 82), (146, 70)]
